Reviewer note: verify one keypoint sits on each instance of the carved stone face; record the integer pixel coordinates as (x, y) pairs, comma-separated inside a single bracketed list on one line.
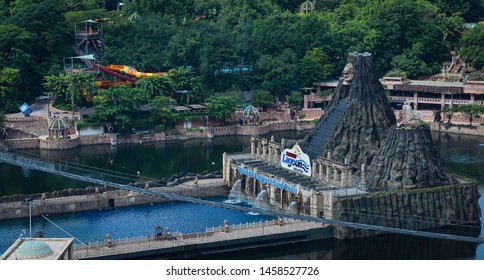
[(347, 75)]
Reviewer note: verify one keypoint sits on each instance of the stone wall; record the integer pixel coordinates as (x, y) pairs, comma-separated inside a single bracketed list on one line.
[(33, 124), (479, 131), (266, 116), (249, 130), (54, 144), (22, 143), (74, 200), (312, 114), (17, 133), (415, 210)]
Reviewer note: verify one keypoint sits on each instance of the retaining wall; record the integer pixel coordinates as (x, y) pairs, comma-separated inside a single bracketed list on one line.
[(103, 200), (412, 209), (479, 130)]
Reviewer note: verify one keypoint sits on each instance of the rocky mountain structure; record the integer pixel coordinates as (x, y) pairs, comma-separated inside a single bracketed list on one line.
[(365, 121), (408, 158)]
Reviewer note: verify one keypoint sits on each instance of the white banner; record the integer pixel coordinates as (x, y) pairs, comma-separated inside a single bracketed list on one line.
[(296, 160)]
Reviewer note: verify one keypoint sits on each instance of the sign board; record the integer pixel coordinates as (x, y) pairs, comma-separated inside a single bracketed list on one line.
[(296, 160), (432, 89), (24, 108)]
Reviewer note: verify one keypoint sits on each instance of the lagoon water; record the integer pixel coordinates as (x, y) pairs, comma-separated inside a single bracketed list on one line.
[(462, 154)]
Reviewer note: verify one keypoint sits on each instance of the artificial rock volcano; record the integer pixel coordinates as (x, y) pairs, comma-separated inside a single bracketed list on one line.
[(366, 119), (360, 126)]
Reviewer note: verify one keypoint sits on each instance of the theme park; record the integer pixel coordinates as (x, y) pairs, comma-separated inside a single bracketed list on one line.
[(302, 130)]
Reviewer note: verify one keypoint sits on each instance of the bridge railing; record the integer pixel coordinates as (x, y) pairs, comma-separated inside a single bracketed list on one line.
[(141, 243)]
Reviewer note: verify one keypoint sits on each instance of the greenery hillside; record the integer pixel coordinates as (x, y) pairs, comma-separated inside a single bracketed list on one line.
[(281, 48)]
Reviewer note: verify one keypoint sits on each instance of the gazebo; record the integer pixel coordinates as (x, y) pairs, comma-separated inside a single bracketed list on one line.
[(307, 7), (251, 115), (58, 129)]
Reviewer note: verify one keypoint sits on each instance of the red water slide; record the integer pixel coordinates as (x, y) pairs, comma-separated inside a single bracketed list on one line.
[(110, 72)]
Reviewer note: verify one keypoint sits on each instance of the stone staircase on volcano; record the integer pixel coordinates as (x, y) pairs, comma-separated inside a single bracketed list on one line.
[(325, 129)]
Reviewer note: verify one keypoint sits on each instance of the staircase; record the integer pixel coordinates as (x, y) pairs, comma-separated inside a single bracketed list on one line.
[(80, 53), (325, 129)]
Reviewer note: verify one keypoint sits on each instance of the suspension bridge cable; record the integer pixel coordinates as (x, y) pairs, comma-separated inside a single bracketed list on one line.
[(62, 229)]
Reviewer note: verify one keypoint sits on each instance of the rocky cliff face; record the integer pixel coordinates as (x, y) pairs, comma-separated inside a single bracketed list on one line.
[(408, 158), (368, 116)]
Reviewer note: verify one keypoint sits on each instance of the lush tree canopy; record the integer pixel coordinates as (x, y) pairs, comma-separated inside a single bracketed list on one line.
[(217, 45), (472, 46), (222, 107)]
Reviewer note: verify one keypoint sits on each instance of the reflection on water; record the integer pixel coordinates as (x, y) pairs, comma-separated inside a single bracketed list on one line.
[(155, 160)]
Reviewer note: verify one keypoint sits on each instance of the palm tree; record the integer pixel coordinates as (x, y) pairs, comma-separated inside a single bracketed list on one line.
[(156, 86)]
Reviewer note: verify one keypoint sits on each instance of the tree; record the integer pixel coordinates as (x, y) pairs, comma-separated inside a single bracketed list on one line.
[(315, 66), (10, 86), (472, 46), (185, 80), (58, 86), (81, 86), (278, 72), (261, 98), (221, 107), (117, 105), (156, 86), (411, 61), (470, 111), (449, 112), (161, 114), (296, 98)]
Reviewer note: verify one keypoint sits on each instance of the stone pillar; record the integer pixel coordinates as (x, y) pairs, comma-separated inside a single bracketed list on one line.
[(269, 154), (327, 171), (259, 144), (363, 177), (343, 178), (335, 176), (313, 169), (264, 149), (255, 180), (350, 178), (252, 146), (224, 158), (329, 156), (277, 156), (229, 164), (415, 100), (320, 170)]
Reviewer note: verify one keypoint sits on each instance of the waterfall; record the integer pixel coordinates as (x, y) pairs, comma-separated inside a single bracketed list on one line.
[(262, 196), (292, 207), (234, 193)]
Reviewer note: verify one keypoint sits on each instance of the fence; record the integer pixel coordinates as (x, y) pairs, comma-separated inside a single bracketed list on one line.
[(144, 243)]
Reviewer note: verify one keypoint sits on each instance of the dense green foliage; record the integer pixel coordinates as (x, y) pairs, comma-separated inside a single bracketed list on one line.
[(262, 98), (118, 106), (472, 45), (216, 45), (222, 107)]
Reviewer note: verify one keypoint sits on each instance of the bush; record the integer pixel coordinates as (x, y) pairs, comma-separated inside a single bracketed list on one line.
[(194, 130), (159, 128)]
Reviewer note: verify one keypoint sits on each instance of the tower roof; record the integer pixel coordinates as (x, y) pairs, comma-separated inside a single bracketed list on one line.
[(250, 111), (33, 249), (58, 124)]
